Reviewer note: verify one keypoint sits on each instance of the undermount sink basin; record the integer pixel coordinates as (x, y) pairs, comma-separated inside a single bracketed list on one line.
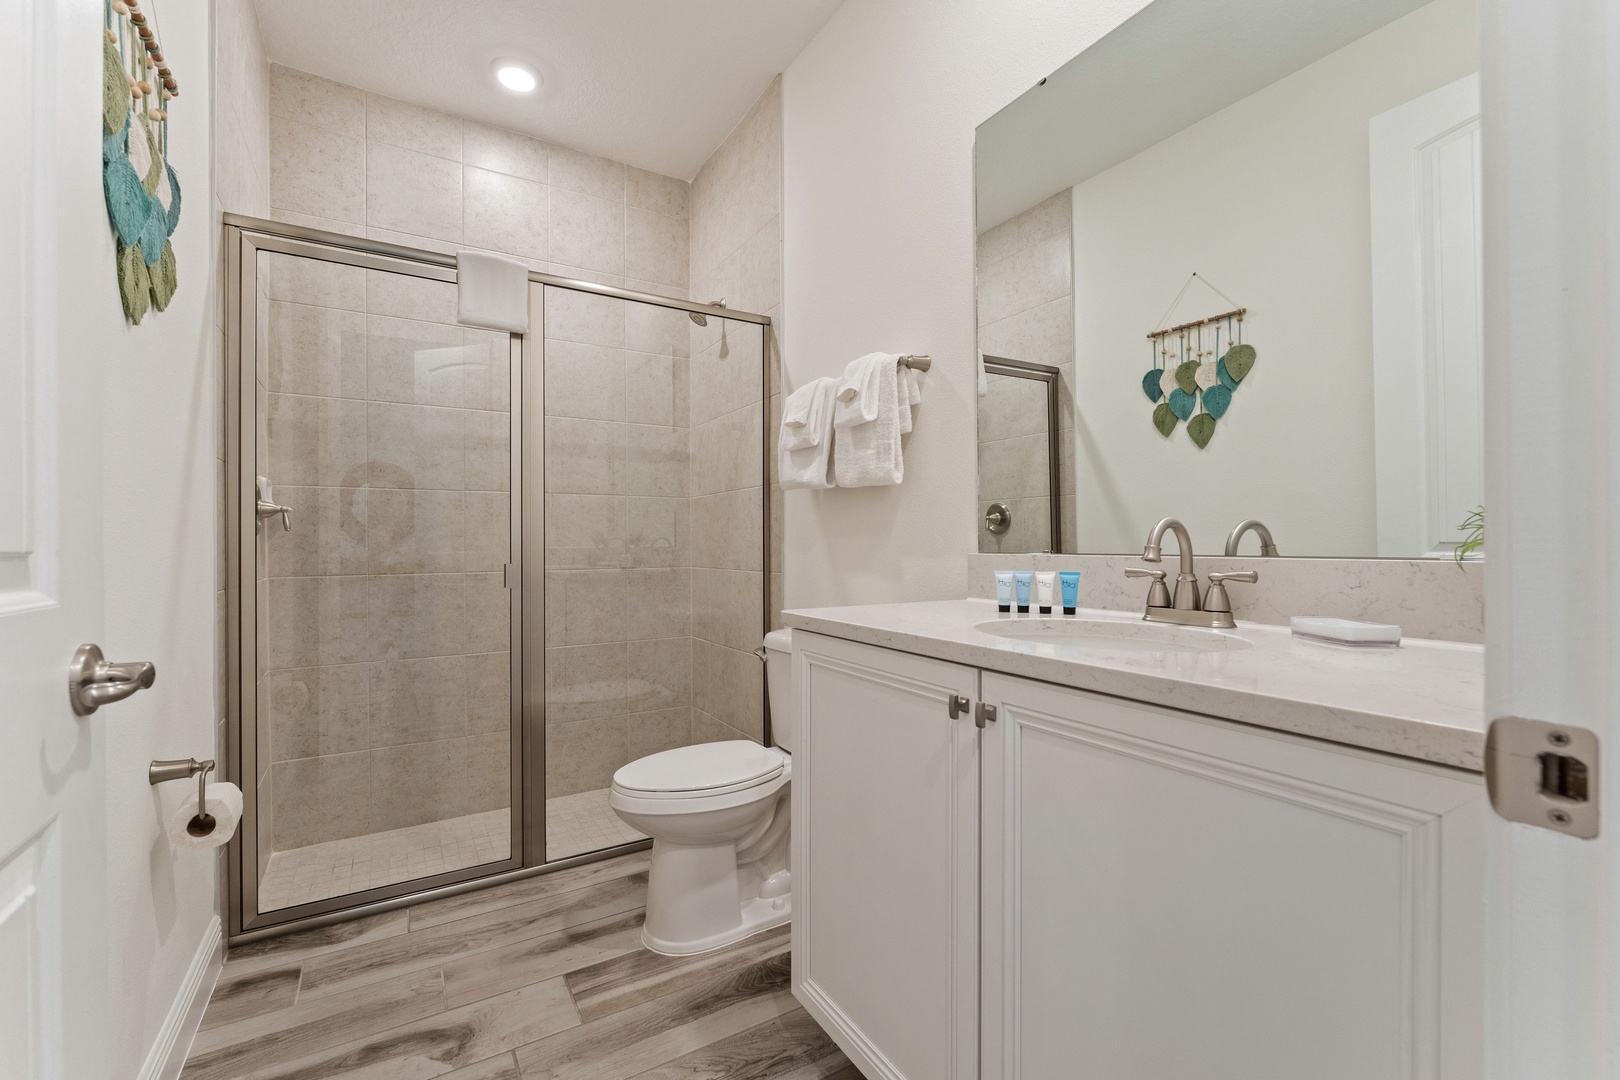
[(1105, 635)]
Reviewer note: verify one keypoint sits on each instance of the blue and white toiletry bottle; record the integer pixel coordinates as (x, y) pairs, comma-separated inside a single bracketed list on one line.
[(1070, 582), (1004, 590), (1045, 586), (1021, 582)]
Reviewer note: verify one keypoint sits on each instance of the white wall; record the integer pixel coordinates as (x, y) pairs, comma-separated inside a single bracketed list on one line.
[(159, 391), (1269, 200), (879, 113)]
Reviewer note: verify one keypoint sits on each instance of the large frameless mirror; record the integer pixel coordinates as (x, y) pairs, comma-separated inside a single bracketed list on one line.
[(1246, 236)]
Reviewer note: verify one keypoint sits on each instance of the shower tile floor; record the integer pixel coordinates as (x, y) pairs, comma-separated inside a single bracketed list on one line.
[(584, 822), (575, 824)]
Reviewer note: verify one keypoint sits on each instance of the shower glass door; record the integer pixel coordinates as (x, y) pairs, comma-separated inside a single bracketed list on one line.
[(379, 693), (646, 426)]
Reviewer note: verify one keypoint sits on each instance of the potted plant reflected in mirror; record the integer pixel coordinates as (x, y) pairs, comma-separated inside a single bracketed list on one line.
[(1473, 529)]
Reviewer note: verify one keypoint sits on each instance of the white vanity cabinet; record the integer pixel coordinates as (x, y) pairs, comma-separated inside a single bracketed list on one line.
[(886, 858), (1161, 896)]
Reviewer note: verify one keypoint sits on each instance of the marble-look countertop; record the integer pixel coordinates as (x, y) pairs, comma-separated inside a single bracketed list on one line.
[(1422, 700)]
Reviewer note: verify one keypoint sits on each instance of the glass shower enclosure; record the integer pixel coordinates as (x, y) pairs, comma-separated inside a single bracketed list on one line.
[(471, 573)]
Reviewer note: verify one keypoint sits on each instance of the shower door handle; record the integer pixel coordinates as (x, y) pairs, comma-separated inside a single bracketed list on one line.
[(270, 509)]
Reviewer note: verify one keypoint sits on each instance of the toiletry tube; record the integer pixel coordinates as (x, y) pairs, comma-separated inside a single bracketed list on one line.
[(1021, 582), (1004, 590), (1045, 586), (1069, 582)]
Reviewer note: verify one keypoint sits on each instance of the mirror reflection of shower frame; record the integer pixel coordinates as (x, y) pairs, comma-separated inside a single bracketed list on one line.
[(244, 238), (1044, 373)]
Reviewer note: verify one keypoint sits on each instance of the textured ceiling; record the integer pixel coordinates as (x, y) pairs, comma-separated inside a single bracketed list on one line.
[(655, 83)]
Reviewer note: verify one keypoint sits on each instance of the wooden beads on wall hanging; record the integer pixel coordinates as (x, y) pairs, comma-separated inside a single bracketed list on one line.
[(1202, 380), (141, 189)]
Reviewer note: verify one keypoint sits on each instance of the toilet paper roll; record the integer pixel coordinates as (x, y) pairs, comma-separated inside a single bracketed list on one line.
[(224, 804)]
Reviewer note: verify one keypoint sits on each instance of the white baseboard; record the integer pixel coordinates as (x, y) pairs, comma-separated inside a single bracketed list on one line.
[(168, 1053)]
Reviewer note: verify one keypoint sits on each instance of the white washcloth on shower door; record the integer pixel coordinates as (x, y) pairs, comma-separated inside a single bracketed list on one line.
[(492, 291), (804, 444), (867, 422)]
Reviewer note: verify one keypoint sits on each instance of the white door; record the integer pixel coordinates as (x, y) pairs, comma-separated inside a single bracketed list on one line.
[(1170, 896), (1428, 370), (53, 239), (885, 858)]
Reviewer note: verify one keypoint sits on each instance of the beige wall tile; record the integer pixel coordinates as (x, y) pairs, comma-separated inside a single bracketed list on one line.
[(655, 247), (586, 382), (420, 782), (503, 151), (586, 231), (418, 700), (584, 317), (727, 530), (314, 441), (328, 534), (584, 682), (728, 375), (317, 711), (310, 99), (415, 531), (407, 297), (583, 756), (317, 621), (489, 531), (415, 446), (652, 329), (489, 693), (588, 530), (414, 362), (655, 732), (725, 452), (297, 280), (505, 213), (739, 189), (1041, 335), (486, 369), (489, 614), (321, 798), (1026, 279), (656, 532), (656, 192), (582, 458), (658, 603), (399, 123), (655, 389), (587, 174), (652, 460), (658, 674), (739, 687), (316, 170), (417, 615), (488, 440), (585, 607), (412, 192), (728, 608)]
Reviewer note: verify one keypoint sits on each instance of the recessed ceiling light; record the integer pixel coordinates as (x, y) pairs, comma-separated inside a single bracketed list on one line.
[(516, 76)]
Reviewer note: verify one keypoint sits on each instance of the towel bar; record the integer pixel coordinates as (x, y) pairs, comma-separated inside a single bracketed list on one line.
[(917, 363)]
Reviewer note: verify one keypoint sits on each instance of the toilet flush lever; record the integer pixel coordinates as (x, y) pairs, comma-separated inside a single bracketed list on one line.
[(956, 705)]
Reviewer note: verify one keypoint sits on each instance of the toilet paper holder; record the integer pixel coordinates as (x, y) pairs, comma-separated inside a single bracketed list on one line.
[(202, 823)]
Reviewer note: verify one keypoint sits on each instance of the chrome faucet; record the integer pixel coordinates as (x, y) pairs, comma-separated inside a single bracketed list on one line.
[(1186, 609), (1268, 546)]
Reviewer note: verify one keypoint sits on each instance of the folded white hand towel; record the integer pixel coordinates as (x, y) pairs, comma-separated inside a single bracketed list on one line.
[(866, 450), (803, 422), (804, 449), (910, 394), (492, 291)]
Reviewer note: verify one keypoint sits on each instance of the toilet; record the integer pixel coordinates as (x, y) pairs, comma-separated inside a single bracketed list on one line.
[(718, 816)]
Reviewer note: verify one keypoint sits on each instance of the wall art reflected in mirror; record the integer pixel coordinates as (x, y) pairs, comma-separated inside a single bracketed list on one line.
[(1243, 236)]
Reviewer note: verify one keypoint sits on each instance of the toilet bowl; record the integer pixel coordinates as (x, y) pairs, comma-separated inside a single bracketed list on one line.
[(718, 816)]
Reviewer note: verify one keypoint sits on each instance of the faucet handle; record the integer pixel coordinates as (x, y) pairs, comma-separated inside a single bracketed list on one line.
[(1158, 594), (1216, 599)]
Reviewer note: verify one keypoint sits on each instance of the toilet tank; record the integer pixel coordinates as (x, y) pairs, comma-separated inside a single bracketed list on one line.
[(779, 681)]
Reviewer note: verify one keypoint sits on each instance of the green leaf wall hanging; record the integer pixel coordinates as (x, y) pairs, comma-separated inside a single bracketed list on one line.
[(1151, 387), (1185, 371), (1201, 428), (1164, 419), (1182, 403), (1217, 399)]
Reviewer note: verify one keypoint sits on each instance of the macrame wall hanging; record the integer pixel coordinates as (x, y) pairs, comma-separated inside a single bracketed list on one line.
[(143, 193), (1190, 383)]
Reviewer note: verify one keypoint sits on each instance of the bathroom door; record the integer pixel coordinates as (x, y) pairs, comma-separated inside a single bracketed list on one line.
[(373, 534), (59, 329)]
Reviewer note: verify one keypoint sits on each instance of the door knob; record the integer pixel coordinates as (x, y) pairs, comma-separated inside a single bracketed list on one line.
[(93, 681)]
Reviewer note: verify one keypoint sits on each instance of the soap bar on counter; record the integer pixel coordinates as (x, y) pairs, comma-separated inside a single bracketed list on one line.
[(1345, 631)]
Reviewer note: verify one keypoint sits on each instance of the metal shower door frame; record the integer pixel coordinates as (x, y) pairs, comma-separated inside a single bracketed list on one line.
[(243, 238)]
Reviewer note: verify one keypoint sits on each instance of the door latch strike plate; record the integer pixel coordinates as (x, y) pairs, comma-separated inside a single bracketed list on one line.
[(1543, 774)]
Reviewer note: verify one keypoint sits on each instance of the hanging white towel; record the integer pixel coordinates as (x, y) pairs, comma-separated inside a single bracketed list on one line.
[(867, 422), (805, 442), (492, 291), (910, 395)]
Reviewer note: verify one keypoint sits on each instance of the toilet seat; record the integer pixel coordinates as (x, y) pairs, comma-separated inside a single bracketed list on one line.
[(701, 771)]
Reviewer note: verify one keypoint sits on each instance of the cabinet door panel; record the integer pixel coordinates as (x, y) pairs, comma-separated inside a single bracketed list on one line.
[(885, 820), (1168, 896)]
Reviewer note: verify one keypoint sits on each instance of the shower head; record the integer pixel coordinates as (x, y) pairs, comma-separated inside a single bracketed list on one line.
[(702, 319)]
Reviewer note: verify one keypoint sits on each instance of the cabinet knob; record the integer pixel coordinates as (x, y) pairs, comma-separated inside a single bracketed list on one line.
[(956, 705)]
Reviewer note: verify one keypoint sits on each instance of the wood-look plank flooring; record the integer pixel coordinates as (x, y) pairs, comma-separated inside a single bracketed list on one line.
[(541, 979)]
